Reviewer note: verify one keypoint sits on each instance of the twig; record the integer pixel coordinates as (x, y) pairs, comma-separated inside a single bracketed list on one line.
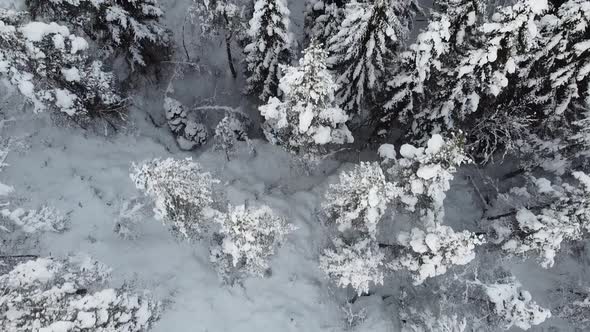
[(19, 256), (479, 194)]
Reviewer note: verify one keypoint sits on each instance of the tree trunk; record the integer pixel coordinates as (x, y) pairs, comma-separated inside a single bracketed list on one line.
[(230, 59)]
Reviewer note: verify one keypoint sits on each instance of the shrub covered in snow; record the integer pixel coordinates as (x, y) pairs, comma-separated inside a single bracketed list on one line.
[(189, 132), (420, 320), (246, 240), (432, 252), (129, 27), (131, 214), (182, 193), (358, 265), (52, 69), (308, 119), (46, 219), (68, 295)]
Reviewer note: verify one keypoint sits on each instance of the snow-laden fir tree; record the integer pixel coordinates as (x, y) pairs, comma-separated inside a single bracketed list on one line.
[(365, 44), (52, 69), (221, 18), (323, 19), (246, 240), (514, 83), (308, 119), (128, 27), (269, 47), (48, 294), (182, 193)]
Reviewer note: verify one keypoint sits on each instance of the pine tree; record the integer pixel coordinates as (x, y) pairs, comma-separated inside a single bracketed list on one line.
[(366, 41), (323, 19), (52, 69), (269, 47), (246, 240), (129, 27), (308, 119), (182, 193)]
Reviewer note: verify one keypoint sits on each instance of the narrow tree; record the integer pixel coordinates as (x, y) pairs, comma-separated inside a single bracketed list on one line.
[(307, 121), (268, 49)]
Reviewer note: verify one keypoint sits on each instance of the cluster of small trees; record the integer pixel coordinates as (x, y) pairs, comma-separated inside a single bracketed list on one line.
[(242, 238), (372, 196)]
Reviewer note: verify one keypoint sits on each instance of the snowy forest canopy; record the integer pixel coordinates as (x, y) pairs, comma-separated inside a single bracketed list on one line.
[(312, 165)]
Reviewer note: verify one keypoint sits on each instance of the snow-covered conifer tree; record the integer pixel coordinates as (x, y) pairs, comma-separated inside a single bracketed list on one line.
[(323, 19), (129, 27), (308, 119), (47, 294), (246, 240), (365, 43), (269, 47), (182, 193), (51, 67)]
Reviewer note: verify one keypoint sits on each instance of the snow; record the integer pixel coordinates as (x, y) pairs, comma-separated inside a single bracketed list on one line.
[(538, 6), (428, 172), (435, 143), (323, 135), (71, 74), (78, 44), (35, 31), (32, 271), (583, 178), (387, 151), (408, 151), (64, 99)]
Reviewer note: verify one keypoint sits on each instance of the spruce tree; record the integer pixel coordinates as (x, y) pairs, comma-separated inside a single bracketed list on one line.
[(269, 47)]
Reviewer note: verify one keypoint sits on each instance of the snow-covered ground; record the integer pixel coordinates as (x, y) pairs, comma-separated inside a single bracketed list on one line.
[(85, 175)]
